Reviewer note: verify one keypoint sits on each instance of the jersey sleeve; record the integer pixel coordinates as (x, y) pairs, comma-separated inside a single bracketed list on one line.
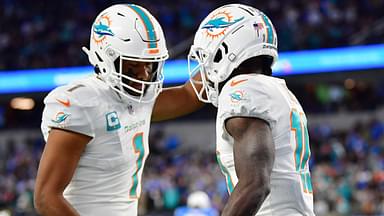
[(244, 97), (63, 110)]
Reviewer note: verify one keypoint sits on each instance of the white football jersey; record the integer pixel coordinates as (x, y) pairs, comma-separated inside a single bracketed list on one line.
[(107, 180), (268, 98)]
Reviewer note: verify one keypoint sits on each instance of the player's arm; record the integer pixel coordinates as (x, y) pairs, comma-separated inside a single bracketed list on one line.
[(254, 156), (57, 165), (176, 101)]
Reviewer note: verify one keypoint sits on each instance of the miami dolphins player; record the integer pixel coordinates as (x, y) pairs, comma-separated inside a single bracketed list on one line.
[(262, 138), (96, 129)]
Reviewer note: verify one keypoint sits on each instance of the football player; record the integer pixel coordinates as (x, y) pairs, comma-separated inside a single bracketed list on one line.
[(96, 129), (262, 138)]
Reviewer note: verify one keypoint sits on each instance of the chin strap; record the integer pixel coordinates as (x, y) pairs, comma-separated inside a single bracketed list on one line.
[(102, 65), (91, 56)]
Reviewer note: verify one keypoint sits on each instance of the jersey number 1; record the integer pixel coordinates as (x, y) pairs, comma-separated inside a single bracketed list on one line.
[(138, 146)]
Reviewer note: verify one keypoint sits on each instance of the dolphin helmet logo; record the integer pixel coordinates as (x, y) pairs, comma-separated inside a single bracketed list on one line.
[(219, 23), (101, 29)]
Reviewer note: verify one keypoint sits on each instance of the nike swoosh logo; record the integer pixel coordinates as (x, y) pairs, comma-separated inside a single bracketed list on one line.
[(233, 83), (66, 103)]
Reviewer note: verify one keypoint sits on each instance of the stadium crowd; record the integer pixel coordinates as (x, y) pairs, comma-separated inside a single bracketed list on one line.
[(352, 95), (51, 34)]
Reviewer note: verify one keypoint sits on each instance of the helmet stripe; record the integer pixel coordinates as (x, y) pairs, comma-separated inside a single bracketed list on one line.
[(269, 29), (148, 25)]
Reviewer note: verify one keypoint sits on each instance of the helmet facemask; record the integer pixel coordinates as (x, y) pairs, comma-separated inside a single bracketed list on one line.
[(125, 82), (208, 79)]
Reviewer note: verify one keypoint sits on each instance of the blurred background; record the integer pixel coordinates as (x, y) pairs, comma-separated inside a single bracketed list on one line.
[(341, 90)]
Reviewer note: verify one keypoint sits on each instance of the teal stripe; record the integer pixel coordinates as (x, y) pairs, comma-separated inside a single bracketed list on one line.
[(226, 173), (269, 29), (307, 152), (299, 148), (139, 146), (148, 25)]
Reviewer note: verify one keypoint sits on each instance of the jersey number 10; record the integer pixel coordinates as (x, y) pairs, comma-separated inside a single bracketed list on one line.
[(302, 151)]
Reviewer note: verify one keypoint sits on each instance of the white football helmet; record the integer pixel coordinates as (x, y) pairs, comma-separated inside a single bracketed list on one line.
[(227, 37), (128, 32)]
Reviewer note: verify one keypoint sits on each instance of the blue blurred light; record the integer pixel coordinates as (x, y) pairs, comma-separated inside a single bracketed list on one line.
[(176, 71), (39, 80), (330, 60)]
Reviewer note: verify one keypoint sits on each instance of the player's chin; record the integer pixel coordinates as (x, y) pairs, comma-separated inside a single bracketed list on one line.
[(133, 93)]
